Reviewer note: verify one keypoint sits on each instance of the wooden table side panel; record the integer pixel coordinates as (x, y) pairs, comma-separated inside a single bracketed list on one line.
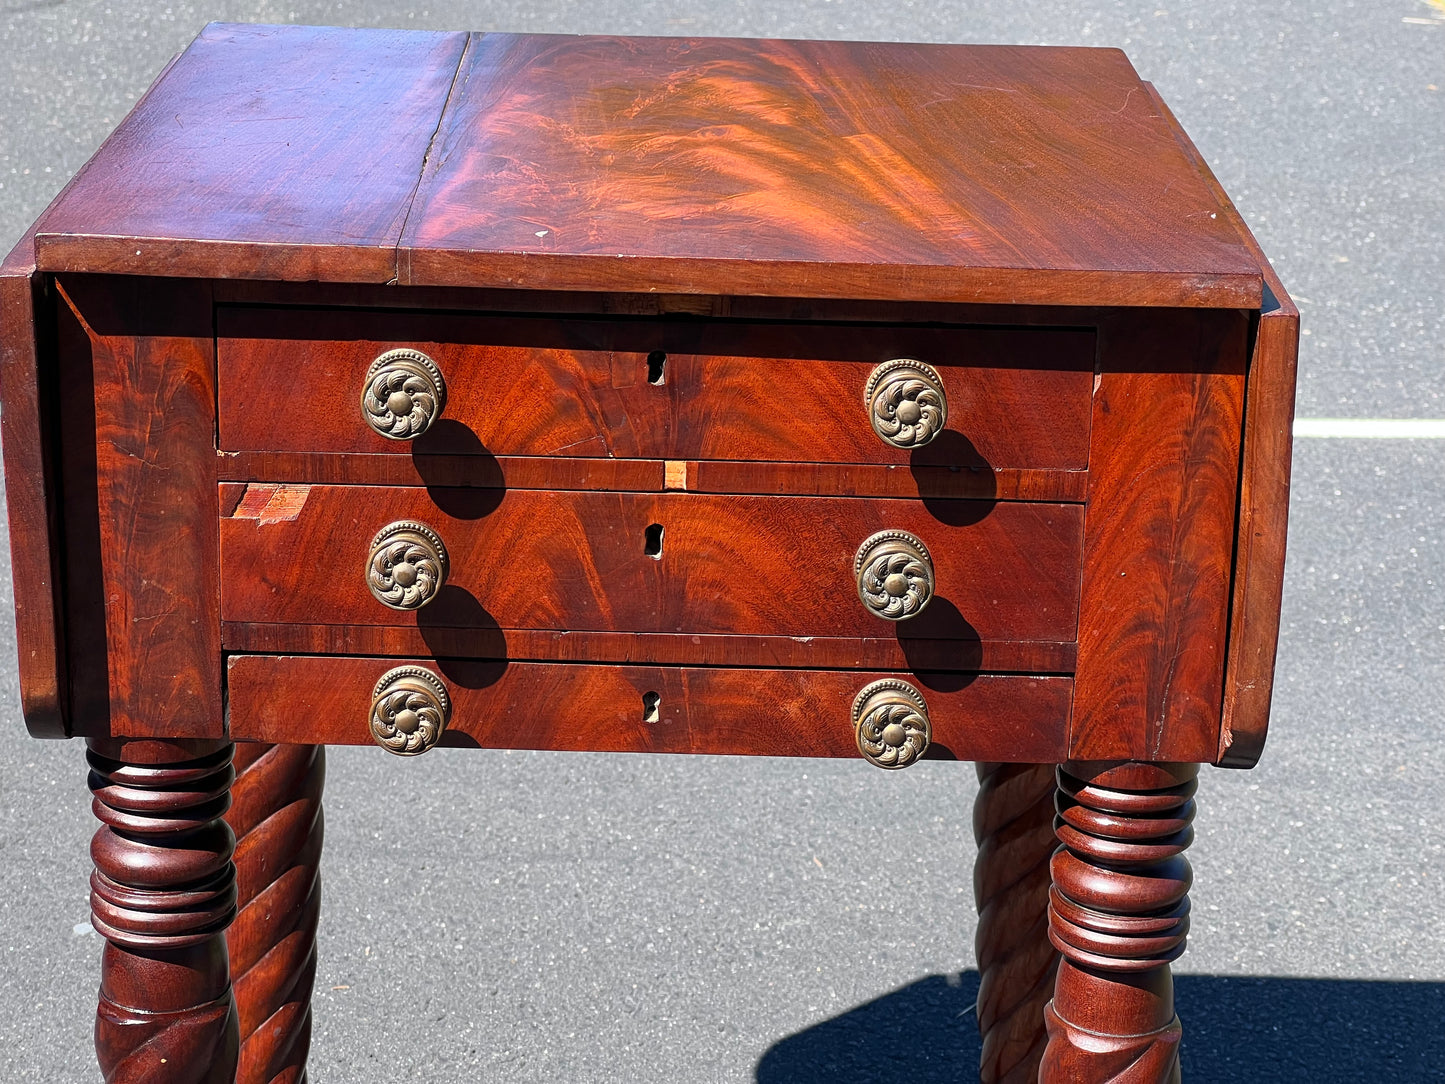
[(729, 564), (599, 707), (1263, 526), (30, 486), (1159, 537), (141, 523), (1263, 495), (29, 387)]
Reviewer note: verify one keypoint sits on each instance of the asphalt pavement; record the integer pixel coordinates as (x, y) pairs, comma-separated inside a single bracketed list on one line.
[(520, 917)]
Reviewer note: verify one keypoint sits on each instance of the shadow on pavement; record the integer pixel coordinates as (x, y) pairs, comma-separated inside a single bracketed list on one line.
[(1236, 1029)]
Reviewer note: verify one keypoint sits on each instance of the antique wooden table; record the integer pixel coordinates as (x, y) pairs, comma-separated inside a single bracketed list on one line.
[(663, 395)]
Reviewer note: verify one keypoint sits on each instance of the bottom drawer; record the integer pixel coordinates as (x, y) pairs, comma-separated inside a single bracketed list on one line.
[(647, 709)]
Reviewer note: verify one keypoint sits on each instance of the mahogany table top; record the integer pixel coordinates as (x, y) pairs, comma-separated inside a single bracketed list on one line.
[(995, 174)]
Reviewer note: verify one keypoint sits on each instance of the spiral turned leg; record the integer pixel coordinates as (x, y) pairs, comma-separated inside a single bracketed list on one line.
[(1013, 822), (1119, 914), (162, 894), (276, 814)]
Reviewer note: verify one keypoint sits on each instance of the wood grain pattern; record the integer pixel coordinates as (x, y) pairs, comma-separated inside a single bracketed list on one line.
[(1119, 915), (1013, 823), (1159, 535), (1263, 496), (138, 427), (925, 172), (276, 816), (30, 390), (729, 565), (909, 172), (895, 650), (265, 152), (599, 707), (722, 391), (162, 894)]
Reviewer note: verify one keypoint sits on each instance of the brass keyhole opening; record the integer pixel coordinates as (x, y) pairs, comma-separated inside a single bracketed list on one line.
[(650, 703), (652, 541), (655, 371)]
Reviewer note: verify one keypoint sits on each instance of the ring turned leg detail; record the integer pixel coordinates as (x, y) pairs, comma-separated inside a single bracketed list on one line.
[(162, 895), (1013, 822), (1119, 914), (276, 815)]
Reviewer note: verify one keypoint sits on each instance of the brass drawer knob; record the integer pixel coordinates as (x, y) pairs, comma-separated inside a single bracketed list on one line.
[(895, 575), (890, 719), (409, 710), (906, 403), (407, 565), (404, 394)]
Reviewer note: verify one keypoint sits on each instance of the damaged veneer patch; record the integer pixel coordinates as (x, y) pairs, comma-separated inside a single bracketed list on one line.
[(271, 503)]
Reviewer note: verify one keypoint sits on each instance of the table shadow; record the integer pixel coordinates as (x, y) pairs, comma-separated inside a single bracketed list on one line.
[(1237, 1030)]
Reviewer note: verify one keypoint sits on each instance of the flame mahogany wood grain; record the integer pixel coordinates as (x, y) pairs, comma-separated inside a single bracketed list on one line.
[(1013, 823), (162, 895), (1263, 495), (30, 390), (746, 565), (137, 358), (1119, 915), (264, 151), (598, 707), (853, 170), (924, 172), (728, 391), (898, 651), (276, 815), (1159, 535)]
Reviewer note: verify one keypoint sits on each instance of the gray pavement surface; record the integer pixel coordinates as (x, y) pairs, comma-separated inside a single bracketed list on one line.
[(527, 917)]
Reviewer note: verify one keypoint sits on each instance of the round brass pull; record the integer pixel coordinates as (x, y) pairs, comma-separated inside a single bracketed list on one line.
[(906, 403), (409, 710), (407, 565), (404, 394), (895, 575), (890, 719)]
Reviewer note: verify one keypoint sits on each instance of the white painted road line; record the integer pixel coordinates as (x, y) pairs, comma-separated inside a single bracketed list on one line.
[(1372, 428)]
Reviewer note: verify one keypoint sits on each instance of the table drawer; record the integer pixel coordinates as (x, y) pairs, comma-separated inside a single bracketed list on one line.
[(604, 708), (662, 389), (650, 562)]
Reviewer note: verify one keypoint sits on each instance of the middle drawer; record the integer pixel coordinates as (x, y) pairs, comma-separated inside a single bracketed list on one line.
[(651, 562)]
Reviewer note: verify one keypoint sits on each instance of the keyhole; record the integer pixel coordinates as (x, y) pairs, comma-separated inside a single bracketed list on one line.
[(655, 361), (652, 541), (650, 701)]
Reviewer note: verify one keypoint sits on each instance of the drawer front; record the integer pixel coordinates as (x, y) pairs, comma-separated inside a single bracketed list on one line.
[(658, 389), (605, 708), (651, 563)]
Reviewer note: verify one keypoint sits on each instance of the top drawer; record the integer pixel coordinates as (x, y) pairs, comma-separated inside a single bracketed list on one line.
[(653, 388)]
